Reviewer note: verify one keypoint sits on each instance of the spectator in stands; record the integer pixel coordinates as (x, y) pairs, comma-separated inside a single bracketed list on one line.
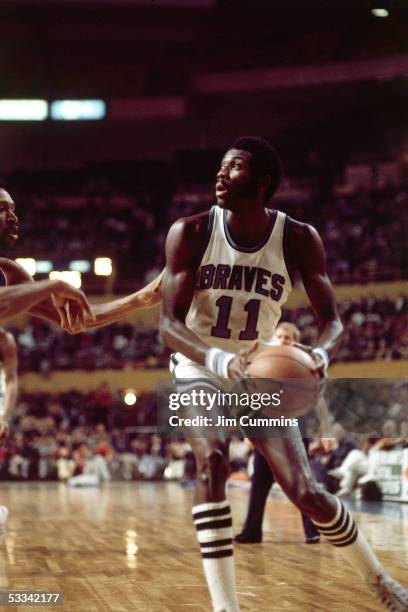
[(357, 467), (65, 464), (328, 454), (94, 470)]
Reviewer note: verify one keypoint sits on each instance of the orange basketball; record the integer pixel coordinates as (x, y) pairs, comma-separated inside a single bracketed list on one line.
[(295, 372)]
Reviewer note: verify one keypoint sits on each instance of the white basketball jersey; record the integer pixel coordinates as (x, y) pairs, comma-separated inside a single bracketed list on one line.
[(239, 291)]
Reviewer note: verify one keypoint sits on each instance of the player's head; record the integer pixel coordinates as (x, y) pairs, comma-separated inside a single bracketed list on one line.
[(287, 333), (8, 219), (251, 169)]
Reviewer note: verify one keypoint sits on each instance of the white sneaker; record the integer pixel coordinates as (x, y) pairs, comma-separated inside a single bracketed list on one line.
[(391, 593), (4, 513)]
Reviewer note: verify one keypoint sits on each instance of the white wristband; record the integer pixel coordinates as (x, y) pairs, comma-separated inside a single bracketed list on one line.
[(217, 361), (324, 356)]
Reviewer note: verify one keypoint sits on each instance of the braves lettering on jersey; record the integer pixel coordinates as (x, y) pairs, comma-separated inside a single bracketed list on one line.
[(239, 291)]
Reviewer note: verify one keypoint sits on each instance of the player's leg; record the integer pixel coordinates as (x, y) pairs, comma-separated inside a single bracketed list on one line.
[(213, 521), (211, 511), (312, 534), (288, 461), (262, 480)]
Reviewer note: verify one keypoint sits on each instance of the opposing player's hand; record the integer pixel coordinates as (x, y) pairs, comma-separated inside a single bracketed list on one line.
[(73, 322), (72, 306), (4, 428), (237, 368)]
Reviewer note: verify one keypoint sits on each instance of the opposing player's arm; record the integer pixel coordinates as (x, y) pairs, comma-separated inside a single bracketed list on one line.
[(104, 314), (308, 254), (178, 290), (23, 294), (9, 352), (17, 275)]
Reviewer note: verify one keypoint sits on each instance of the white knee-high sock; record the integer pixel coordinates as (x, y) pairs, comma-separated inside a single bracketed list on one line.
[(343, 533), (213, 523)]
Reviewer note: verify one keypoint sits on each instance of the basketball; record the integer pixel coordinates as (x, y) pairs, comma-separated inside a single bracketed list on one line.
[(292, 370)]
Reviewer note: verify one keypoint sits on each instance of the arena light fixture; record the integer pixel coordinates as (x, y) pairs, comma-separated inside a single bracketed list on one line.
[(73, 277), (103, 266), (44, 266), (28, 263), (130, 397), (23, 110), (78, 110), (380, 12), (80, 265)]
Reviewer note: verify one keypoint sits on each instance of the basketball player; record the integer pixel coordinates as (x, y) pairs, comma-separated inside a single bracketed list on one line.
[(14, 300), (262, 478), (56, 300), (8, 398), (228, 272)]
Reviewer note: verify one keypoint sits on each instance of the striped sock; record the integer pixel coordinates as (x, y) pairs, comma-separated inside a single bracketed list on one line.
[(343, 533), (213, 523)]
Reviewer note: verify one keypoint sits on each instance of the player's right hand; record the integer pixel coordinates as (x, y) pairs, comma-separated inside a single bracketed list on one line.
[(237, 368), (320, 366)]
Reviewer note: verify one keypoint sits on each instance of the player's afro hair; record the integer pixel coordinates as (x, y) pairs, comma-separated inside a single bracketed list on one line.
[(265, 160)]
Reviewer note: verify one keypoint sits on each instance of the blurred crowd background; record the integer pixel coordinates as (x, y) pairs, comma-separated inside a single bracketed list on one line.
[(72, 435)]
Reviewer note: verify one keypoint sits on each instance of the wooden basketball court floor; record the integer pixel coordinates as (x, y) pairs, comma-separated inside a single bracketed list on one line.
[(132, 547)]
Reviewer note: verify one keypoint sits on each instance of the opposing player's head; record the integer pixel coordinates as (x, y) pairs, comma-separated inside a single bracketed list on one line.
[(287, 333), (250, 172), (8, 219)]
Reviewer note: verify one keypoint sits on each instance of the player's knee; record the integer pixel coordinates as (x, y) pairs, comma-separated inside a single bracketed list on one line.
[(214, 466), (309, 498)]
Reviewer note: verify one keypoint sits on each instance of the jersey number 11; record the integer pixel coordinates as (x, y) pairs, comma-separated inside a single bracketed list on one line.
[(221, 329)]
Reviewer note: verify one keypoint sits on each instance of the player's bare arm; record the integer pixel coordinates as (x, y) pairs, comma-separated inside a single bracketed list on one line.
[(23, 294), (184, 247), (8, 350), (307, 253), (68, 313)]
